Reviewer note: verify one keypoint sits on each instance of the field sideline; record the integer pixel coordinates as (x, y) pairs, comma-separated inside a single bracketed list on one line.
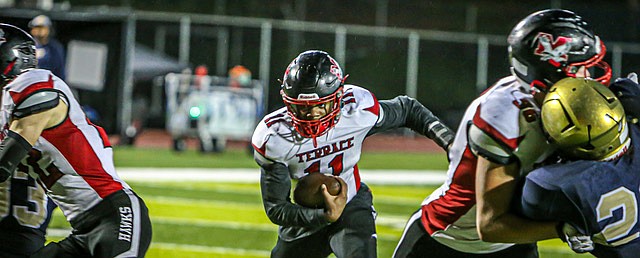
[(252, 175)]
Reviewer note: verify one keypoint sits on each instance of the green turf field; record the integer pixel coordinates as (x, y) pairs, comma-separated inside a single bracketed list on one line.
[(211, 219)]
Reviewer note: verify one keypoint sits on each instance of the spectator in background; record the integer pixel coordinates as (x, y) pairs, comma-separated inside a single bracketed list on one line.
[(50, 53), (201, 79), (239, 76)]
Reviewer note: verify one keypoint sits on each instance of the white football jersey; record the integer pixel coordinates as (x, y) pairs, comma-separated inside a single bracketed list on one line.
[(73, 161), (508, 114), (337, 151)]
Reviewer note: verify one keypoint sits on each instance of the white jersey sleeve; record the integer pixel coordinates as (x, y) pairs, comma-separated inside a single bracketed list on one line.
[(506, 128), (276, 125)]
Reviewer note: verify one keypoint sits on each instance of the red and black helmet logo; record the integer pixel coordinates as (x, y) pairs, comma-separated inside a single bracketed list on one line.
[(553, 50)]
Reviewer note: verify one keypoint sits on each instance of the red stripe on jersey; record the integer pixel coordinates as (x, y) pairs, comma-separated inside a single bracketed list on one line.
[(103, 135), (356, 176), (375, 109), (488, 129), (267, 120), (20, 96), (75, 147), (349, 100), (273, 121), (457, 200), (349, 93), (262, 150)]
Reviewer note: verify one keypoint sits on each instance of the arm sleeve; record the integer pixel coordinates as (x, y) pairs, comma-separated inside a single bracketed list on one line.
[(13, 149), (404, 111), (548, 203), (275, 185)]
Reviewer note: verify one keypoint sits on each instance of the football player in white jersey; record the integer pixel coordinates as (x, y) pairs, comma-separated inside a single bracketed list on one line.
[(321, 130), (498, 141), (45, 134)]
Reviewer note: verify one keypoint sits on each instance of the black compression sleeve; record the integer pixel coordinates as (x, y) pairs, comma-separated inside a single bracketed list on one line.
[(408, 112), (275, 187), (12, 150)]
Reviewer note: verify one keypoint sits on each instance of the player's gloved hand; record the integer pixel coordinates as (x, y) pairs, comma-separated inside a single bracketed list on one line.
[(578, 242), (628, 92)]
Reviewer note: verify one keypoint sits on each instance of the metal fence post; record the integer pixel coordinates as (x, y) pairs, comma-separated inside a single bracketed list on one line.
[(222, 55), (341, 46), (616, 61), (185, 35), (265, 60), (482, 66), (413, 54), (128, 53)]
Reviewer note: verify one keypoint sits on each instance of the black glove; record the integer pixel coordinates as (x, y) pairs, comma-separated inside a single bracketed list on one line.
[(628, 92)]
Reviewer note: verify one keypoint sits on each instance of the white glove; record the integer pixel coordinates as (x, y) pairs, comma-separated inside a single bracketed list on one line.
[(633, 77), (580, 244), (577, 242)]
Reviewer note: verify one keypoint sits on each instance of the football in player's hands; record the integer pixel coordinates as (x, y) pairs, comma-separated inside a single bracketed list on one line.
[(308, 190)]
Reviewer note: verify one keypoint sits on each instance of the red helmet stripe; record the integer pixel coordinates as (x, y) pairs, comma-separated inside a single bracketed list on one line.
[(9, 67)]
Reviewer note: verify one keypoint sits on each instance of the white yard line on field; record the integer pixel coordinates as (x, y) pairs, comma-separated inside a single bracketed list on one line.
[(210, 249), (249, 175)]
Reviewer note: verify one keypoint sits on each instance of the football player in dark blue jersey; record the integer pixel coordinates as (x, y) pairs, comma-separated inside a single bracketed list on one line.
[(596, 188), (25, 212)]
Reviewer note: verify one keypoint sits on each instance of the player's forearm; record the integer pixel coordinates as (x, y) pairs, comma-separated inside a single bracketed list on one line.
[(510, 228), (495, 187), (288, 214), (276, 186), (404, 111), (13, 149)]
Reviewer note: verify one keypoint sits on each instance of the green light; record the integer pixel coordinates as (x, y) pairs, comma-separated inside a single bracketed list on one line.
[(195, 112)]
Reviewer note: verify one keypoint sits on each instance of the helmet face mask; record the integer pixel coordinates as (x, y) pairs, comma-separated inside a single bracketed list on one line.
[(550, 45), (312, 90), (17, 52), (585, 120)]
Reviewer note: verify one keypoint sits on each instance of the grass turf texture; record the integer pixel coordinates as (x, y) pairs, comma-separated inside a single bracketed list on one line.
[(209, 219)]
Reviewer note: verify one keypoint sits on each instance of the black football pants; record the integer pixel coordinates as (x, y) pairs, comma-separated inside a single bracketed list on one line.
[(118, 226)]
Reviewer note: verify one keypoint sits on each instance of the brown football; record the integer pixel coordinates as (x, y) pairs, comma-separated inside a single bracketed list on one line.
[(308, 191)]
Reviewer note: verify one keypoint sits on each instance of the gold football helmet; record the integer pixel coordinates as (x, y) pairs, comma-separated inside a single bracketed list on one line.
[(585, 120)]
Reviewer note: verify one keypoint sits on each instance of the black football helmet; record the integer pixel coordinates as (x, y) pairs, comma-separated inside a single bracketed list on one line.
[(313, 79), (17, 52), (549, 45)]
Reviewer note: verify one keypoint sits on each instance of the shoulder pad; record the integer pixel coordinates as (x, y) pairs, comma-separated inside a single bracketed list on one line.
[(483, 145), (37, 102)]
